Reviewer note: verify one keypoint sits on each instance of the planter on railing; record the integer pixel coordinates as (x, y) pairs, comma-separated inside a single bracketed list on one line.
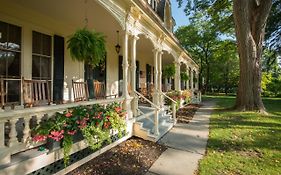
[(95, 122), (16, 126)]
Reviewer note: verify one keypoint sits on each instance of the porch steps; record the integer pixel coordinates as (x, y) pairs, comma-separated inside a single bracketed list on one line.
[(144, 126)]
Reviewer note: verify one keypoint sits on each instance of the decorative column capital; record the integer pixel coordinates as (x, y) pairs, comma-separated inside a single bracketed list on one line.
[(135, 37)]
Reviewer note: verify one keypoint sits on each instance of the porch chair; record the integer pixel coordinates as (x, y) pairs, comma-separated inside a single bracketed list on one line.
[(100, 90), (36, 92), (2, 94), (80, 91)]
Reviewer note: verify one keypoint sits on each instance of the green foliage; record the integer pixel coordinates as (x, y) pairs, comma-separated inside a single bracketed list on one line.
[(273, 28), (67, 145), (271, 84), (87, 46), (243, 142), (96, 123), (169, 71), (184, 76), (96, 136)]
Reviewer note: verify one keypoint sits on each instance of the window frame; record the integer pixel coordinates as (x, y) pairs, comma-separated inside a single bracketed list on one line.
[(10, 78), (41, 55)]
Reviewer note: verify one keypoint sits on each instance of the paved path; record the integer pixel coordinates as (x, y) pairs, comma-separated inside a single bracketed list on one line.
[(186, 145)]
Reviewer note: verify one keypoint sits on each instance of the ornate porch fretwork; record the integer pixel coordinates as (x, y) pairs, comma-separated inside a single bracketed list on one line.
[(115, 10)]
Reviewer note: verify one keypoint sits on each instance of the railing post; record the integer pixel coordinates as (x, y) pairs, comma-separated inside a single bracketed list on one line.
[(26, 130), (13, 133), (5, 156), (174, 112), (156, 122)]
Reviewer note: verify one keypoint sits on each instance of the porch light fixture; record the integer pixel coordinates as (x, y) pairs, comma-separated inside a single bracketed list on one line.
[(117, 46)]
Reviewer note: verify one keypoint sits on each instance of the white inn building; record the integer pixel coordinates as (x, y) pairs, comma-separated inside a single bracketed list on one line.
[(33, 51)]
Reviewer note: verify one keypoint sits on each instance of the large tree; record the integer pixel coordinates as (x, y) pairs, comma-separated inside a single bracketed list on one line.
[(250, 18)]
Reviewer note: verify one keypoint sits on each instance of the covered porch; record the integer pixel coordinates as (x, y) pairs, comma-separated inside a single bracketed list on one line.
[(34, 49)]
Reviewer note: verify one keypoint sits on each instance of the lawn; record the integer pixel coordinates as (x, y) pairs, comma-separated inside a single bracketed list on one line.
[(243, 143)]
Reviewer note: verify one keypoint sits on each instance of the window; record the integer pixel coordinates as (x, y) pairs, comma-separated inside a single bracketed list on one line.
[(41, 56), (10, 62)]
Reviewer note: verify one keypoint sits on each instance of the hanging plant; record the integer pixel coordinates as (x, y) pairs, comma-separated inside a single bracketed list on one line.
[(184, 76), (88, 46), (169, 71)]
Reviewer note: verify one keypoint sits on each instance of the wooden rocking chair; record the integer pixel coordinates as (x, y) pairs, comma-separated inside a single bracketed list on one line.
[(2, 94), (100, 90), (80, 91), (36, 92)]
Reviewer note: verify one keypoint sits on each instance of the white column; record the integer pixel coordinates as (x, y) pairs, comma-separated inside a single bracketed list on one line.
[(197, 82), (155, 60), (191, 79), (177, 77), (160, 77), (187, 72), (127, 102), (133, 74)]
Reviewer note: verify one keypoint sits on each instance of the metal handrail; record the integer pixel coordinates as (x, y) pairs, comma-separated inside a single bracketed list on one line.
[(150, 102), (167, 97), (174, 114), (156, 115)]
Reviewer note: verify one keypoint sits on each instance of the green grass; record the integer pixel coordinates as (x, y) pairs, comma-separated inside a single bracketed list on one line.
[(243, 143)]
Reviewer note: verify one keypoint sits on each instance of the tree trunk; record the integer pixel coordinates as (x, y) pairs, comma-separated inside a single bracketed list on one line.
[(250, 18)]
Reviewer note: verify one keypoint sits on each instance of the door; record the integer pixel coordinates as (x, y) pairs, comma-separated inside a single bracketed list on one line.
[(58, 75), (138, 76), (120, 74), (97, 73), (148, 76)]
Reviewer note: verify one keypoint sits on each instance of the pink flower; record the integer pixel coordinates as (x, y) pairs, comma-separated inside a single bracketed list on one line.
[(56, 135), (72, 132), (68, 114), (39, 138), (118, 109)]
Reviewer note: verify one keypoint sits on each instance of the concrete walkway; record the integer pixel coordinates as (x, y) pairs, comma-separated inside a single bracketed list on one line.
[(186, 145)]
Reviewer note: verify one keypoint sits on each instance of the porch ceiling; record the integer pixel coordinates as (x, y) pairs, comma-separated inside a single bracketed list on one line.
[(72, 13)]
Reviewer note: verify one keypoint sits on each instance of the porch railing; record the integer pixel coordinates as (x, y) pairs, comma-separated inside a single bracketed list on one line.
[(174, 103), (16, 125), (156, 115)]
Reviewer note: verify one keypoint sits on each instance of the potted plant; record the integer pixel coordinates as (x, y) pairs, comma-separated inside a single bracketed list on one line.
[(88, 46)]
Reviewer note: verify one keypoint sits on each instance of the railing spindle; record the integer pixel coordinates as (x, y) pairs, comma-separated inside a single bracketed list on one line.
[(2, 134), (26, 130), (13, 133)]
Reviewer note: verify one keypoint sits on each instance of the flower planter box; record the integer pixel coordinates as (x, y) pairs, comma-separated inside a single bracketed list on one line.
[(77, 137), (53, 145)]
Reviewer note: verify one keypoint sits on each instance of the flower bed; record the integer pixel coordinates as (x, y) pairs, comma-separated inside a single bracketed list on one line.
[(96, 123)]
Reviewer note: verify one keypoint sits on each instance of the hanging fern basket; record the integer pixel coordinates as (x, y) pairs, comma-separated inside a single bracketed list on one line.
[(184, 76), (87, 46), (169, 71)]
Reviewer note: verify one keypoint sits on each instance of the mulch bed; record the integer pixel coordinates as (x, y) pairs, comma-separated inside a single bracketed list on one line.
[(132, 157), (186, 113)]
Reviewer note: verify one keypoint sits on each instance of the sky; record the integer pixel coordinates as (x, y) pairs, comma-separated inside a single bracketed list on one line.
[(178, 14)]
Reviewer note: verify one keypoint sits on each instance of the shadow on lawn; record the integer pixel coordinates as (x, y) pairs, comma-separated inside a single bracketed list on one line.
[(245, 132)]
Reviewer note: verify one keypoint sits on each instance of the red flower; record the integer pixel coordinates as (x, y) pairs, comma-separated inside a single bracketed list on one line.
[(68, 114), (39, 138)]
